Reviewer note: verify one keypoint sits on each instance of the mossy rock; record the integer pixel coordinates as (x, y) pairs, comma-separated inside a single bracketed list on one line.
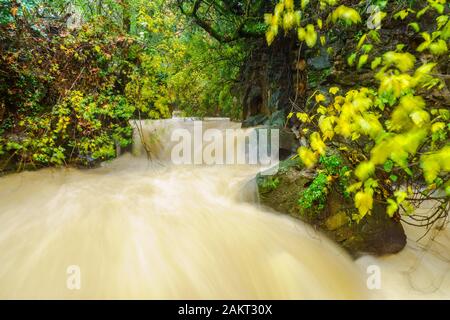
[(376, 234)]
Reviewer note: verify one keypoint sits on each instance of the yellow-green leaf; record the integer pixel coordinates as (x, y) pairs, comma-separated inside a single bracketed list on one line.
[(311, 36), (362, 60), (319, 98), (308, 157), (334, 90), (363, 202), (375, 63), (304, 4), (346, 14), (361, 41), (391, 208), (365, 170), (317, 143), (438, 47), (415, 26)]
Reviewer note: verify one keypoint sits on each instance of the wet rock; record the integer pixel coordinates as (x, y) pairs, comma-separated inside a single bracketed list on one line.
[(376, 234)]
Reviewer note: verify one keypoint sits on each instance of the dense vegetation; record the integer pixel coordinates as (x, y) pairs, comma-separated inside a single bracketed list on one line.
[(394, 132), (363, 84), (73, 74)]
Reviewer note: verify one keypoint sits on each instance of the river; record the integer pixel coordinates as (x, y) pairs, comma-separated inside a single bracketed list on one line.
[(143, 228)]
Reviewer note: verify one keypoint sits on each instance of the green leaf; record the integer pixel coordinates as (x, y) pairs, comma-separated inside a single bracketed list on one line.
[(438, 47), (388, 165), (422, 12), (311, 36), (401, 14), (365, 170), (391, 208), (351, 59), (375, 63), (362, 60), (346, 14), (364, 203), (415, 26)]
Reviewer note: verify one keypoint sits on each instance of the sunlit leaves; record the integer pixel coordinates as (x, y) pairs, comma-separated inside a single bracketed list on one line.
[(317, 143), (391, 128), (433, 163), (438, 126), (283, 16), (439, 47), (376, 19), (308, 157), (365, 170), (268, 18), (423, 77), (369, 125), (303, 117), (402, 14), (420, 13), (279, 8), (441, 21), (402, 61), (326, 125), (424, 45), (364, 203), (436, 46), (289, 4), (320, 98), (445, 32), (397, 147), (310, 36), (320, 23), (289, 20), (362, 60), (396, 84), (361, 41), (348, 15), (351, 59), (375, 63), (334, 90), (407, 113), (392, 207), (415, 26), (304, 4), (301, 34)]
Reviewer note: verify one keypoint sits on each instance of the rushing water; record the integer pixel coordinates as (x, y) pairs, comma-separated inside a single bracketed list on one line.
[(145, 229)]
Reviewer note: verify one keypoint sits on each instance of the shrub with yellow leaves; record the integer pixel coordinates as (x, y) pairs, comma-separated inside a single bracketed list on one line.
[(394, 138), (387, 135)]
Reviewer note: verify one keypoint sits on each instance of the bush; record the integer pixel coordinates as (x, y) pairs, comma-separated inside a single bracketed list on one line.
[(66, 96)]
